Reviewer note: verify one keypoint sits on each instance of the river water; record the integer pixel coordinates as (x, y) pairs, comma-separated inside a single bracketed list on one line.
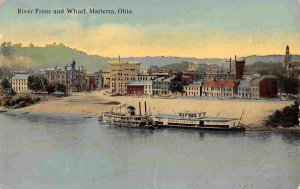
[(70, 152)]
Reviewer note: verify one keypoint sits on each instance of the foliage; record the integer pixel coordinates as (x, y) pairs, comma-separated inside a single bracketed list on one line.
[(61, 88), (50, 88), (7, 49), (5, 84), (37, 83), (6, 89), (286, 117), (288, 85), (176, 87), (264, 68)]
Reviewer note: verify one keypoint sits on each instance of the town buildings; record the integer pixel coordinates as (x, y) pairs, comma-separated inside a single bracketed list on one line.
[(161, 86), (193, 89), (140, 88), (121, 74), (72, 77), (228, 71), (225, 89), (268, 87), (19, 82), (243, 89), (102, 79), (254, 88)]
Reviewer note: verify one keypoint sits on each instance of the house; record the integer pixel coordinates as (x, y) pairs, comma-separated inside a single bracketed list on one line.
[(226, 88), (243, 89), (139, 88), (254, 88), (19, 82), (193, 89), (161, 86)]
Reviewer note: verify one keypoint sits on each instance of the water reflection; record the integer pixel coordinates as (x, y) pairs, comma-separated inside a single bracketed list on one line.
[(49, 152)]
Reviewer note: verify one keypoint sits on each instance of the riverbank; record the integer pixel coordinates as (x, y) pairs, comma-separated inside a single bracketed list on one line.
[(94, 103)]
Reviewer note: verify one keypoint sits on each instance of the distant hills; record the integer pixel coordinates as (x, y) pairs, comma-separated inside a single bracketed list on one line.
[(163, 61), (34, 58), (19, 58)]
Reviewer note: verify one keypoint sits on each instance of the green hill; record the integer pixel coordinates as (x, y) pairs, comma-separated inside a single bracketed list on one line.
[(18, 57)]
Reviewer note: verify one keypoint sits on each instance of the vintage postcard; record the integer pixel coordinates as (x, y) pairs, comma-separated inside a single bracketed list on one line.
[(149, 94)]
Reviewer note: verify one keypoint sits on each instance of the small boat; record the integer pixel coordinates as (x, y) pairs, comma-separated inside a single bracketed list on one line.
[(198, 120), (128, 119)]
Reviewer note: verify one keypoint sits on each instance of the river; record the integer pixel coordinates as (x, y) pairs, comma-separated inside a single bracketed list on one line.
[(69, 152)]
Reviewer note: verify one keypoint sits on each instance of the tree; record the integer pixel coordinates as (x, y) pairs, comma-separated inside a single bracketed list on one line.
[(288, 85), (176, 87), (36, 83), (61, 88), (50, 88), (6, 88), (5, 84), (7, 49)]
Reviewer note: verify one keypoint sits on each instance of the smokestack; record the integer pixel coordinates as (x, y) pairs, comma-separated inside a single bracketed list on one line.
[(119, 59), (140, 111), (145, 108), (235, 58), (230, 65)]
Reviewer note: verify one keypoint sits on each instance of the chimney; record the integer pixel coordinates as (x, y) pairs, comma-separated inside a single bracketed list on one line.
[(119, 59), (145, 108)]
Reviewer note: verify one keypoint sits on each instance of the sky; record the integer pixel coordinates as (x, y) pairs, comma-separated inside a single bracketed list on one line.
[(189, 28)]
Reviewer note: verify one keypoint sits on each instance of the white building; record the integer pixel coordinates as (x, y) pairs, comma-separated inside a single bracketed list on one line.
[(193, 89), (161, 86), (19, 82), (225, 89), (243, 89)]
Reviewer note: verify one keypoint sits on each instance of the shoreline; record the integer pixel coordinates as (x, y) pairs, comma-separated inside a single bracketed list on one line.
[(84, 117), (92, 104)]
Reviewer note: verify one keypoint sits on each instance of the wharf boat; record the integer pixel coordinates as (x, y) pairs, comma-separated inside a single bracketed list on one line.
[(128, 119), (198, 120)]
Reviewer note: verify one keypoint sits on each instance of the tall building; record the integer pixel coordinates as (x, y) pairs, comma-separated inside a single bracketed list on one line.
[(121, 74), (74, 78), (287, 59), (292, 69)]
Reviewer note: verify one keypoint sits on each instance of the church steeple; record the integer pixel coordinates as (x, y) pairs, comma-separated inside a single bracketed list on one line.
[(287, 50)]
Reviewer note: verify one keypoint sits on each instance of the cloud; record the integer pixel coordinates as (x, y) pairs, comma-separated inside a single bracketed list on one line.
[(153, 40)]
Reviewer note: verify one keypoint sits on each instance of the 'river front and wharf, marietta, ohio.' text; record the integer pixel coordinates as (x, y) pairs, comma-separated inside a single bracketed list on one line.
[(75, 11)]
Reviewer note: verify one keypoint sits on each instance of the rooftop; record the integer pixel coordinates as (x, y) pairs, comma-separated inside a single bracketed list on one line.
[(140, 83), (21, 76), (228, 83), (244, 84)]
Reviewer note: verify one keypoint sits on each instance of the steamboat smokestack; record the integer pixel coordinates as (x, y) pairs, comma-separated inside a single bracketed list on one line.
[(145, 108), (140, 111)]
